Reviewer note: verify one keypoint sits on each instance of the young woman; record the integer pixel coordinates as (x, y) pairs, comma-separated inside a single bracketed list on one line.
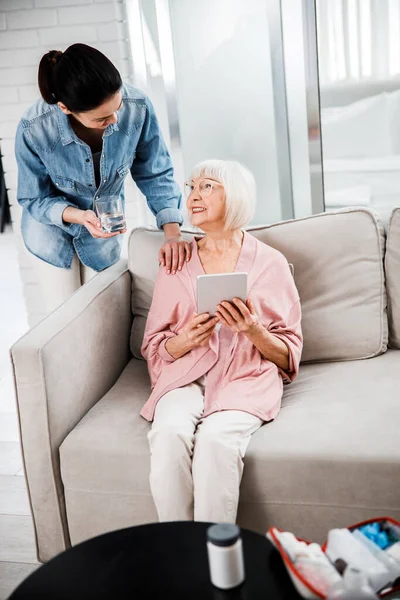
[(78, 144), (213, 388)]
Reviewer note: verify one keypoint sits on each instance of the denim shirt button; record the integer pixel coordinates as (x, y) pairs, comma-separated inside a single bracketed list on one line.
[(90, 185), (88, 160)]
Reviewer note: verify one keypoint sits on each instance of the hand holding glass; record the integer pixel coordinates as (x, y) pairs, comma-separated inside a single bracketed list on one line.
[(111, 214)]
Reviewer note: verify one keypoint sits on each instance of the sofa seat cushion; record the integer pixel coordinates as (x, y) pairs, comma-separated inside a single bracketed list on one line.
[(331, 457), (108, 449), (392, 266), (105, 461)]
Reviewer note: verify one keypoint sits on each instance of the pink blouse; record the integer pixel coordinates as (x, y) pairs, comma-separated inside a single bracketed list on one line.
[(238, 376)]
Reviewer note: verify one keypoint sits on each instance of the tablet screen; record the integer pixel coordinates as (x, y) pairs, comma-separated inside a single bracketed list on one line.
[(214, 289)]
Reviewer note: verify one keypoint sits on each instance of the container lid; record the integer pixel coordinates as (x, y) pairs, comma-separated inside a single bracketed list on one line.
[(223, 534)]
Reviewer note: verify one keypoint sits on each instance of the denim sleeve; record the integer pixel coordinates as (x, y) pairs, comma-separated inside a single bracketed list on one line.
[(35, 190), (153, 173)]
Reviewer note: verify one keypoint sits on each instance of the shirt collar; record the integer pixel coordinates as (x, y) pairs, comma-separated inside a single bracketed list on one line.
[(64, 126), (110, 129)]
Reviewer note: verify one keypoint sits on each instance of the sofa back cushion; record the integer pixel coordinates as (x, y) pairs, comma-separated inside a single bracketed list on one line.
[(392, 265), (338, 269)]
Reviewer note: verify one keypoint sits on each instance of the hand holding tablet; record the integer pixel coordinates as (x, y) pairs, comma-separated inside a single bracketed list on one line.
[(225, 295)]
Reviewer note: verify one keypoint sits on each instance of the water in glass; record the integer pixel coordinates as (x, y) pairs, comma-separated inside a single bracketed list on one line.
[(113, 221)]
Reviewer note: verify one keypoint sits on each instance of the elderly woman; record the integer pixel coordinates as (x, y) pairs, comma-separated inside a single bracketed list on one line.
[(213, 387)]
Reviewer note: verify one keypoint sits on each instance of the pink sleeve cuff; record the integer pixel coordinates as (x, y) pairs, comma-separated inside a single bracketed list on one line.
[(163, 352), (291, 373)]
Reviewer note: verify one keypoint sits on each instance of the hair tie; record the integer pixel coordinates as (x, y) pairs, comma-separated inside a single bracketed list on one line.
[(54, 56)]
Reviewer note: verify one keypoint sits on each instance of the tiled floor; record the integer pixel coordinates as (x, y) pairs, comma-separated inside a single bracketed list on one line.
[(17, 546)]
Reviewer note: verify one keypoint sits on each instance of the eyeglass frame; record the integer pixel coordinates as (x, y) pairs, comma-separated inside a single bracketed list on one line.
[(190, 181)]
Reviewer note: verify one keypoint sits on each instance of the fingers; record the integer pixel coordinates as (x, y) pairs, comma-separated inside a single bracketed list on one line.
[(96, 225), (199, 319), (201, 328), (93, 225), (231, 311), (161, 257), (224, 322), (188, 250), (203, 338), (250, 306), (173, 255), (181, 253), (92, 218), (225, 317), (175, 258), (168, 257), (244, 311), (94, 232), (208, 325), (105, 235)]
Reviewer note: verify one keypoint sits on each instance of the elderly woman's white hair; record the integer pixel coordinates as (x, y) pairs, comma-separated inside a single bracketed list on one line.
[(239, 185)]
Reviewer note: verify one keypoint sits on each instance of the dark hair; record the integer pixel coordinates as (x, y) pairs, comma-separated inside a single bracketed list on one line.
[(82, 78)]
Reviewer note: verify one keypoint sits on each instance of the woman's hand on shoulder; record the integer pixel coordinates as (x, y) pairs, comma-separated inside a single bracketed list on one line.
[(239, 316), (174, 253)]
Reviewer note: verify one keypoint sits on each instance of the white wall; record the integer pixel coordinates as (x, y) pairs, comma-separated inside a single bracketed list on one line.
[(28, 29)]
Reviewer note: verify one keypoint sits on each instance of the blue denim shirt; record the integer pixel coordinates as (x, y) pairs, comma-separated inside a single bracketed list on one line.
[(55, 170)]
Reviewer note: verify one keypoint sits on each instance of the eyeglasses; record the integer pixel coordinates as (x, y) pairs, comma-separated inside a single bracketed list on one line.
[(205, 187)]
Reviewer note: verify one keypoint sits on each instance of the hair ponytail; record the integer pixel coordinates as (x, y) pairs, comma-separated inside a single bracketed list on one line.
[(46, 76), (82, 78)]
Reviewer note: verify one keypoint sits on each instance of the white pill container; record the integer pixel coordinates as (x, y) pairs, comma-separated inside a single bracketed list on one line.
[(225, 555)]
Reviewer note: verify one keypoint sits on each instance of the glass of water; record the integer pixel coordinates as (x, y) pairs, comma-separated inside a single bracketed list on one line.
[(111, 214)]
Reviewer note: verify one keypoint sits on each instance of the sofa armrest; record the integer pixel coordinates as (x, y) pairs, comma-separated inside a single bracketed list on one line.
[(62, 367)]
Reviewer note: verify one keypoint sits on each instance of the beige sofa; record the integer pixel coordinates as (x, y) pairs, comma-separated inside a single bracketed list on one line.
[(331, 458)]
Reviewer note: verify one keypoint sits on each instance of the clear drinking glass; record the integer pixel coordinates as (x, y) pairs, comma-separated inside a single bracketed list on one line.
[(111, 213)]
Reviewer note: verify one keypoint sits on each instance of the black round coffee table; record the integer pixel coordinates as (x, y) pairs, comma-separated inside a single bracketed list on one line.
[(161, 560)]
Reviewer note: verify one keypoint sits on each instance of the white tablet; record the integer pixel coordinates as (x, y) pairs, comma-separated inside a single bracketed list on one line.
[(214, 289)]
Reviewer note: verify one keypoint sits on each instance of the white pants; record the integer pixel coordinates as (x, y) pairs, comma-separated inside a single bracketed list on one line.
[(58, 284), (197, 464)]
